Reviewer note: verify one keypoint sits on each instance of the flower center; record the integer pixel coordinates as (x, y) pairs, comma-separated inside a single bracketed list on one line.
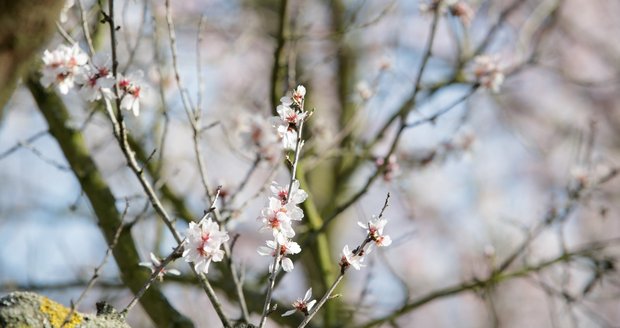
[(283, 250), (274, 222), (283, 196)]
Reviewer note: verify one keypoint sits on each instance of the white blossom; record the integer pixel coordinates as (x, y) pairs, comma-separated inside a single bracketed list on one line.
[(299, 94), (155, 264), (277, 218), (281, 192), (97, 79), (488, 72), (286, 101), (586, 175), (303, 305), (62, 66), (350, 259), (286, 247), (290, 115), (131, 92), (203, 244), (286, 124), (289, 137), (374, 228)]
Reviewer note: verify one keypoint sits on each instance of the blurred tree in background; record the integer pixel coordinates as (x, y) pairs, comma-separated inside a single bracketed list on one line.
[(493, 125)]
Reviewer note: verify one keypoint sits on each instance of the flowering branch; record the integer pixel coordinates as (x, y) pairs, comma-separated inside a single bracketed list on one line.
[(283, 209), (321, 302), (356, 257), (131, 92), (100, 196), (194, 118), (176, 253)]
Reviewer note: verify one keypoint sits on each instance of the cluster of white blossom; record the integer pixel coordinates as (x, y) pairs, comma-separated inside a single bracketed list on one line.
[(488, 72), (67, 67), (203, 243), (290, 115), (278, 217), (283, 207), (262, 135), (374, 235), (350, 258)]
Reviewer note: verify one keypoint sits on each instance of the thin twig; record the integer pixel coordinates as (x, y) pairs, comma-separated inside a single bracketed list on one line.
[(201, 86), (555, 215), (194, 116), (176, 253), (162, 93), (385, 205), (85, 29), (133, 50), (324, 299), (44, 158), (272, 281), (21, 144), (410, 102), (187, 104), (433, 118), (475, 283), (64, 33), (495, 28), (402, 113), (279, 55), (246, 179), (95, 276)]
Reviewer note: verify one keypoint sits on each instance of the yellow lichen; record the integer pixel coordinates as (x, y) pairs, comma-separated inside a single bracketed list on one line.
[(57, 313)]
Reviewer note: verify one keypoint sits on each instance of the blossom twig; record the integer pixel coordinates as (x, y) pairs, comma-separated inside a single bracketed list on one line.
[(322, 301), (121, 136), (433, 118), (278, 256), (354, 258), (176, 253), (85, 29)]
